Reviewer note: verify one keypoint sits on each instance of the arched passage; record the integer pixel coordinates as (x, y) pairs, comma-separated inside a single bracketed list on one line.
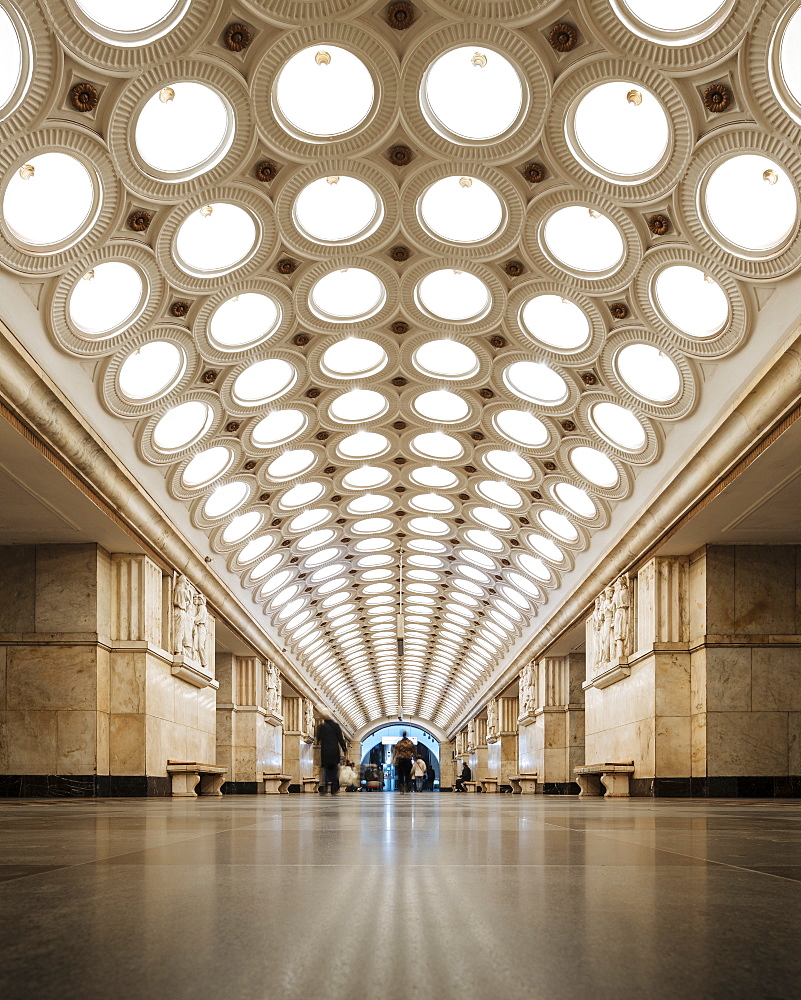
[(376, 748)]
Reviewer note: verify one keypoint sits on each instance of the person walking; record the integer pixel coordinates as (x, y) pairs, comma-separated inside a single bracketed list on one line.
[(348, 778), (419, 771), (330, 738), (402, 762)]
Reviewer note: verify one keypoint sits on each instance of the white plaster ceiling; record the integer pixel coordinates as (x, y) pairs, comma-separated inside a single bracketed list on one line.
[(443, 325)]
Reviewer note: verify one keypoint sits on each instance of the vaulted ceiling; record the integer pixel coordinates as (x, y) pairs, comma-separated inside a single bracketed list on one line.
[(401, 299)]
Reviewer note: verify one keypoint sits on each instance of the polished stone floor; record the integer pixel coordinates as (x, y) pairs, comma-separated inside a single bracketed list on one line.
[(389, 897)]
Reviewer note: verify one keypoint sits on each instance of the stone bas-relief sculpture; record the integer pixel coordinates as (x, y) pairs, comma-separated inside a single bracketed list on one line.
[(272, 683), (528, 690), (609, 628), (190, 624), (471, 735), (308, 720), (492, 721), (200, 630)]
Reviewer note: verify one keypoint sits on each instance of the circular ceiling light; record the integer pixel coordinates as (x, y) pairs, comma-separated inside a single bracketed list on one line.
[(559, 525), (182, 425), (372, 525), (522, 427), (301, 495), (35, 208), (751, 203), (206, 467), (368, 477), (434, 477), (426, 562), (263, 381), (470, 94), (369, 503), (352, 293), (536, 382), (316, 538), (441, 406), (431, 503), (555, 321), (446, 359), (508, 463), (648, 372), (337, 210), (291, 463), (461, 210), (265, 566), (354, 357), (309, 519), (363, 444), (277, 582), (428, 526), (515, 597), (438, 445), (575, 499), (621, 128), (594, 466), (107, 299), (676, 16), (278, 427), (545, 547), (12, 61), (187, 134), (453, 295), (324, 91), (226, 499), (491, 517), (500, 493), (691, 301), (526, 585), (128, 19), (327, 572), (215, 239), (583, 240), (484, 539), (373, 545), (255, 548), (241, 526), (619, 426), (789, 64), (426, 545), (243, 320), (320, 558)]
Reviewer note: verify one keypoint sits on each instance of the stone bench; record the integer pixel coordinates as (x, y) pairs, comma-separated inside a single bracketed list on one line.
[(523, 784), (309, 784), (275, 783), (470, 786), (614, 777), (185, 776), (489, 784)]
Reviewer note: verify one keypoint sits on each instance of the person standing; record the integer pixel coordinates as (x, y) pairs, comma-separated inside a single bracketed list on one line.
[(419, 770), (330, 738), (402, 762)]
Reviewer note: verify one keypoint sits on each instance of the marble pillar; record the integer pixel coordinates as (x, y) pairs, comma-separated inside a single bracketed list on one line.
[(447, 765), (93, 704), (249, 730), (551, 740), (502, 751), (477, 749), (297, 754)]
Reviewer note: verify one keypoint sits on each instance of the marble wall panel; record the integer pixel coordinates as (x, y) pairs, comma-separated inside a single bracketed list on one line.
[(634, 741), (698, 747), (776, 679), (698, 680), (66, 588), (728, 678), (3, 671), (718, 594), (673, 746), (185, 698), (127, 682), (747, 743), (127, 743), (696, 588), (207, 710), (103, 592), (17, 588), (764, 589), (52, 677), (672, 694), (161, 688), (76, 742), (28, 742), (102, 720), (794, 742)]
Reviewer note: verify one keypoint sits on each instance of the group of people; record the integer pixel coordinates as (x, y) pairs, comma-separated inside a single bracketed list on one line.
[(411, 770)]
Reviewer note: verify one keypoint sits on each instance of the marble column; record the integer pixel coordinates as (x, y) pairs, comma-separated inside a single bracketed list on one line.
[(447, 757), (552, 732), (477, 749), (249, 730), (95, 703), (297, 754), (502, 750)]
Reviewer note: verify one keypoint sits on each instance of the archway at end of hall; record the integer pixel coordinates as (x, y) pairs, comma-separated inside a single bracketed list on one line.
[(376, 750)]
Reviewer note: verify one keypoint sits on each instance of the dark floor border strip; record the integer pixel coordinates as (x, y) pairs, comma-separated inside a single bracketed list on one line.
[(83, 786)]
